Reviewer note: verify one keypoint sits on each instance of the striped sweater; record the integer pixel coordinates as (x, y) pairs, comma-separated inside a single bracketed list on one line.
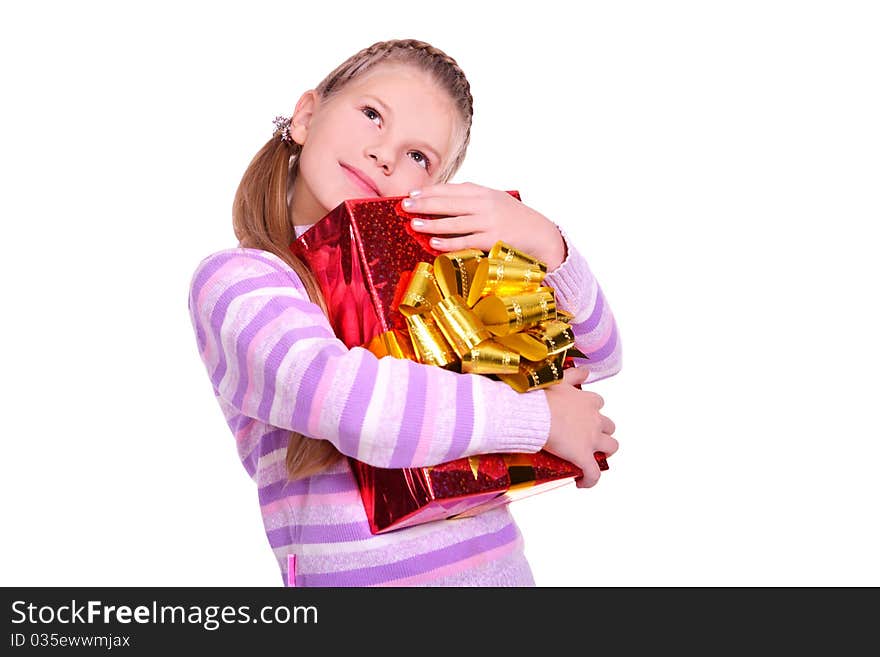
[(275, 366)]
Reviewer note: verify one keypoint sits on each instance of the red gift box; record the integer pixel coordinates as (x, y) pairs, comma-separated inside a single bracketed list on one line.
[(363, 255)]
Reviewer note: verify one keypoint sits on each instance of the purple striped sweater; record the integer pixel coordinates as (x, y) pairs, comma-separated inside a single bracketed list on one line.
[(275, 366)]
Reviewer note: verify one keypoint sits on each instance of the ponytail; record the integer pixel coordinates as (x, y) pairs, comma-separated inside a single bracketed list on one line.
[(260, 221)]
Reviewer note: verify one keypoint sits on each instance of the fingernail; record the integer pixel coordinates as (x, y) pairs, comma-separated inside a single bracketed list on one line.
[(418, 223), (415, 192), (435, 241), (407, 202)]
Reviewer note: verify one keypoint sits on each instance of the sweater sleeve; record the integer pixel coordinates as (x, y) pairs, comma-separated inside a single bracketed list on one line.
[(578, 292), (272, 355)]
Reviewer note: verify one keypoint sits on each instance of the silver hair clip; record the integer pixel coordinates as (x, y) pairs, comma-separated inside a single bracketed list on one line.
[(282, 123)]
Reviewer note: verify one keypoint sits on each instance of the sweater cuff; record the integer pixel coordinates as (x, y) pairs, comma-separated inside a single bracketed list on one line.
[(572, 281), (522, 423)]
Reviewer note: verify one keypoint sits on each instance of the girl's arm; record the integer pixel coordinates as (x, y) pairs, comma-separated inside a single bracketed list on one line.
[(578, 292), (271, 354)]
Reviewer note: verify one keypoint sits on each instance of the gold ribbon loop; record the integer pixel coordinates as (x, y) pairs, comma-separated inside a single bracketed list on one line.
[(526, 345), (503, 251), (490, 357), (459, 325), (428, 342), (454, 271), (505, 315), (557, 335), (495, 276), (536, 375), (546, 339), (421, 293)]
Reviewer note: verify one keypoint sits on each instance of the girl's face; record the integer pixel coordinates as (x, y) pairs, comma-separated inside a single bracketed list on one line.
[(388, 132)]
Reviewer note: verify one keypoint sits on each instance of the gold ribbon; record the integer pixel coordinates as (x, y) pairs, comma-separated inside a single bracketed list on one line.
[(487, 312)]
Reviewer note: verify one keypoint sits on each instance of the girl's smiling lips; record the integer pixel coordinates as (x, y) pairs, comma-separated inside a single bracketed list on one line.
[(360, 178)]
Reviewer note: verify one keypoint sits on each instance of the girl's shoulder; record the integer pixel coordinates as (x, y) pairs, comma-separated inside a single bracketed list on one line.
[(238, 263), (244, 254)]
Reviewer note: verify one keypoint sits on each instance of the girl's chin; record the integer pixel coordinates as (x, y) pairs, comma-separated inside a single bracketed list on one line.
[(334, 199), (331, 202), (339, 200)]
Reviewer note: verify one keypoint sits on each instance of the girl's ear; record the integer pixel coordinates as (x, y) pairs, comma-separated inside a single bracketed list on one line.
[(302, 116)]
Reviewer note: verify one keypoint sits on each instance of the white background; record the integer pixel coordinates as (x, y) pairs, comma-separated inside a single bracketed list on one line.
[(716, 162)]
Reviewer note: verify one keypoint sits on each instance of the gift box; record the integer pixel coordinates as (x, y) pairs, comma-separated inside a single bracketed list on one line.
[(389, 291)]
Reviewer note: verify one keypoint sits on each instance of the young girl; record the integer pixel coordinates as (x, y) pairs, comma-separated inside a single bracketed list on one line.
[(392, 120)]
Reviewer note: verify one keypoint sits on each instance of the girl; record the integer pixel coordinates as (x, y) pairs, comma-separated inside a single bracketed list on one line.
[(392, 120)]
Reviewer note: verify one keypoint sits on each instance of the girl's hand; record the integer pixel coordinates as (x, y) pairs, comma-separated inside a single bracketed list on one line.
[(479, 217), (577, 429)]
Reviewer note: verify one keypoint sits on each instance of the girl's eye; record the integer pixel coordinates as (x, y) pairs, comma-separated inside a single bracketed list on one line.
[(371, 114), (418, 157), (421, 159)]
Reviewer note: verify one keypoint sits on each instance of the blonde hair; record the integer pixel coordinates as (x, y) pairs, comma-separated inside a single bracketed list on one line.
[(260, 208)]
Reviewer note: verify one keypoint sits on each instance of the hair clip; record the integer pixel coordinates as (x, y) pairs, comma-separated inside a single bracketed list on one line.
[(282, 123)]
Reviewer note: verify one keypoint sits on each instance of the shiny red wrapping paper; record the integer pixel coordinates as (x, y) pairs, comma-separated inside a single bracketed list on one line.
[(362, 254)]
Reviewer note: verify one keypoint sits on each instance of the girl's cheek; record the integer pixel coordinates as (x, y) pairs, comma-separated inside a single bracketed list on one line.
[(416, 181), (363, 129)]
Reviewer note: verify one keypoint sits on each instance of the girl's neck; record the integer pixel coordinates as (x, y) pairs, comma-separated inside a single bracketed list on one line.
[(302, 206)]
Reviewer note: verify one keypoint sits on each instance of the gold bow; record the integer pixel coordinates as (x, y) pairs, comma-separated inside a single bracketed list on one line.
[(488, 312)]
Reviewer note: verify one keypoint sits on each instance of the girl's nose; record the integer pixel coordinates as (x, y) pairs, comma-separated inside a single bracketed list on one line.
[(382, 160)]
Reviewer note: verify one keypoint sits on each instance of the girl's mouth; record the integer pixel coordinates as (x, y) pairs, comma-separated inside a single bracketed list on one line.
[(360, 179)]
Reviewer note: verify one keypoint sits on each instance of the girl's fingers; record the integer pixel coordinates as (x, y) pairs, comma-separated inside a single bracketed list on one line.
[(607, 425), (575, 375), (608, 444), (591, 475), (449, 189), (453, 205), (447, 244), (444, 225)]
